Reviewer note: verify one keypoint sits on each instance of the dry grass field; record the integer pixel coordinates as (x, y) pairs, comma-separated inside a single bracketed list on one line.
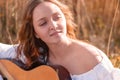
[(98, 23)]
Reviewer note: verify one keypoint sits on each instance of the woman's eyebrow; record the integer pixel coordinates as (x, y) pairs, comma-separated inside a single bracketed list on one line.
[(41, 19), (55, 13)]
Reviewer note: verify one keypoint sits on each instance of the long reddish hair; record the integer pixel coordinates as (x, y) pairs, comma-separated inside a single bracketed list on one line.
[(29, 45)]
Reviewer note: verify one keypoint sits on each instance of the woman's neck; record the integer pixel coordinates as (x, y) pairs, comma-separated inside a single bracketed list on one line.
[(59, 50)]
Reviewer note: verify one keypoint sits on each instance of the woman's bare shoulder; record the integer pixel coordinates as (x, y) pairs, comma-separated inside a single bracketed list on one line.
[(88, 53)]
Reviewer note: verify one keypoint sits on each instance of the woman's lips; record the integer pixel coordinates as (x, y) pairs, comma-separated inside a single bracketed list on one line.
[(55, 33)]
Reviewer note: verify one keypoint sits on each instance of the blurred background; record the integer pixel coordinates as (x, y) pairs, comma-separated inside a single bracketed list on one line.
[(98, 23)]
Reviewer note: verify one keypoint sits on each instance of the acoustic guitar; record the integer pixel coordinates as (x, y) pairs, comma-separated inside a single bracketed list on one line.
[(43, 72)]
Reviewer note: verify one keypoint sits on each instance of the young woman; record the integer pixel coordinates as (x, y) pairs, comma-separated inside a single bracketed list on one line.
[(47, 32)]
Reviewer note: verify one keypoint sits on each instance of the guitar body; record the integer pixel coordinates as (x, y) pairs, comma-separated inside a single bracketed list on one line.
[(42, 72)]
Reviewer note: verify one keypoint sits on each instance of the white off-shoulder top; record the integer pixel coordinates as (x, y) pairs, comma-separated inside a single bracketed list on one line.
[(102, 71)]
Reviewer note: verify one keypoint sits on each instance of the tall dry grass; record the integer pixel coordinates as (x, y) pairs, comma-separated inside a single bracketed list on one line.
[(98, 22)]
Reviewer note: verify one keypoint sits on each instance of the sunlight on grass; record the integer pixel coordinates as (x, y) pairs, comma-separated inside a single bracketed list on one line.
[(115, 60)]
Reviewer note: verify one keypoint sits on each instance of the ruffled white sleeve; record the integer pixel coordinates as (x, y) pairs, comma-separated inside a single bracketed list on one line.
[(1, 77), (102, 71), (116, 74), (9, 51)]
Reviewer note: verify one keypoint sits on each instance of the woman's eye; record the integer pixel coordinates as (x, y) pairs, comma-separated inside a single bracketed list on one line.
[(57, 17), (43, 23)]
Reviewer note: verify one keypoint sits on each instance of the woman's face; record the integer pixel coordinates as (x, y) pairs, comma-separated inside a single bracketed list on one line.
[(49, 22)]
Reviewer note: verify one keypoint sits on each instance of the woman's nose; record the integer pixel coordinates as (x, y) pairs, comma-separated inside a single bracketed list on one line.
[(53, 25)]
